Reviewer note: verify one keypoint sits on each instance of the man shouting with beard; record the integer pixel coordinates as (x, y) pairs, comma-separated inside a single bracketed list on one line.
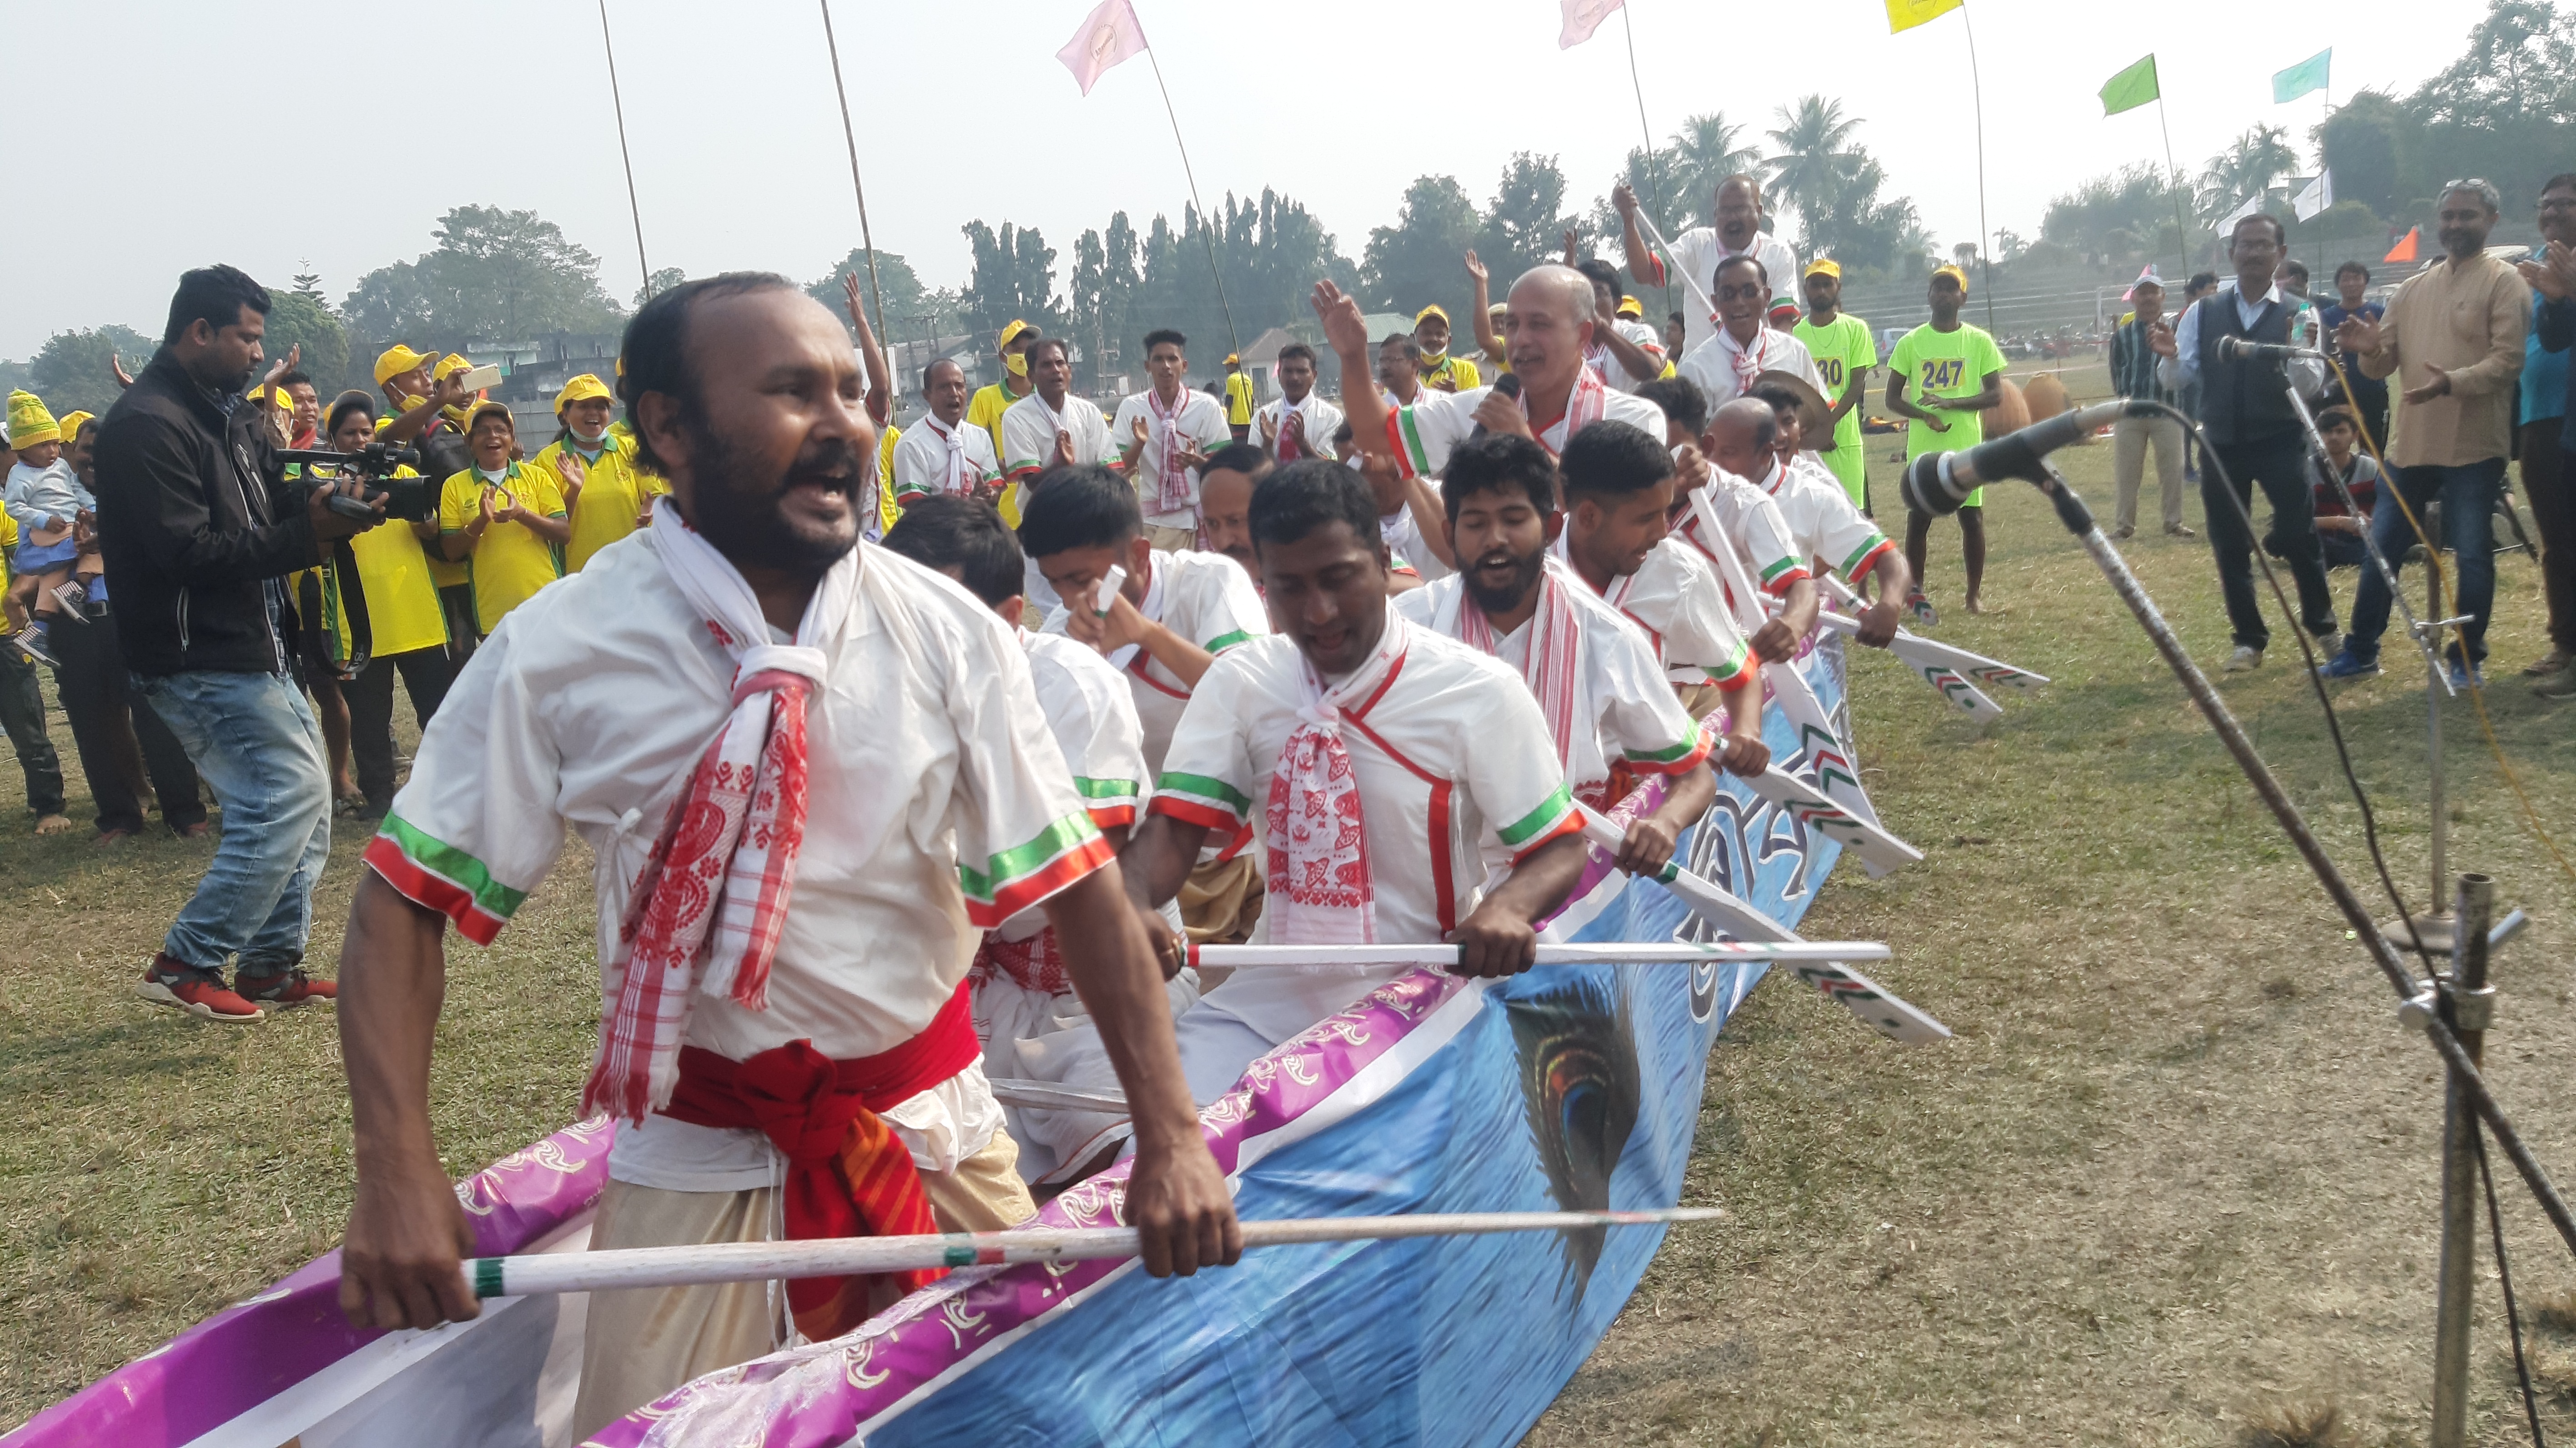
[(1598, 684), (785, 1035)]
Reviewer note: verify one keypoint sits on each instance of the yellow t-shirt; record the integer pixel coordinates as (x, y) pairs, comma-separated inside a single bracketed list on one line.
[(441, 572), (986, 407), (1455, 367), (1238, 400), (510, 563), (612, 496), (402, 596), (887, 512)]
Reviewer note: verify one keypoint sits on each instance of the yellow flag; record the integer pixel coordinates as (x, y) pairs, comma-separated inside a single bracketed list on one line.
[(1904, 15)]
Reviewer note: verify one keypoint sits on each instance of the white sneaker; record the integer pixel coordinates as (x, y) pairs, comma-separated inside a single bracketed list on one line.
[(2244, 660)]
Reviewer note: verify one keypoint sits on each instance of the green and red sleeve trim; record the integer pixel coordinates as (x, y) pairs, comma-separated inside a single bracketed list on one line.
[(1674, 760), (1020, 877), (1865, 557), (1198, 799), (438, 876), (1404, 436), (1777, 578), (1111, 802), (1225, 641), (1555, 815)]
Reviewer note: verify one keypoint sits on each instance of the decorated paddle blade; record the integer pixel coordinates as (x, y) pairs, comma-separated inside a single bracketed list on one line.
[(1921, 654), (1816, 811), (1877, 1008), (555, 1272)]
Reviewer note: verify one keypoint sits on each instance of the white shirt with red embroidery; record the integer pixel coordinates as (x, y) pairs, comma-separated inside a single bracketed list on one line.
[(1425, 432), (1456, 775), (1700, 249), (1323, 419), (1716, 367), (1622, 710), (925, 463), (1676, 598), (1201, 420), (1029, 427), (1830, 533), (938, 806), (1207, 599)]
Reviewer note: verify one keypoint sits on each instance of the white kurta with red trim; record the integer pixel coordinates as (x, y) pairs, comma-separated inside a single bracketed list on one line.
[(1832, 535), (1623, 712), (1425, 432), (938, 806), (1676, 599), (1756, 531), (924, 465), (1207, 599), (1456, 773)]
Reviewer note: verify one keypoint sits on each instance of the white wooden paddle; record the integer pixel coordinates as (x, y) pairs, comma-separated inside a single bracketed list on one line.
[(599, 1271)]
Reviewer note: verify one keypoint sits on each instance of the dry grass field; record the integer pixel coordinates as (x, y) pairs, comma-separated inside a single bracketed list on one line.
[(2173, 1183)]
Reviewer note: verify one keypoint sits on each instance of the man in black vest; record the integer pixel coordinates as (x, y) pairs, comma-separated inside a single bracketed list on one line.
[(2253, 435)]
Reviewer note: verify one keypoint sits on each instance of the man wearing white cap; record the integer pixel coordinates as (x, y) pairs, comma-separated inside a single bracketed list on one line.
[(2133, 374)]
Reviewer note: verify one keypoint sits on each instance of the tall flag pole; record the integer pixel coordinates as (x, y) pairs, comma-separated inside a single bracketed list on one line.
[(619, 102), (1582, 17), (1110, 34), (1904, 15), (2127, 91), (852, 137)]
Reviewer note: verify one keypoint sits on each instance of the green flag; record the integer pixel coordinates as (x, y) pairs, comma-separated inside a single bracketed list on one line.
[(2308, 75), (2131, 88)]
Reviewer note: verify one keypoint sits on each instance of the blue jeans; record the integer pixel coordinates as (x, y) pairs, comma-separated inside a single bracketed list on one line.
[(2468, 495), (253, 739)]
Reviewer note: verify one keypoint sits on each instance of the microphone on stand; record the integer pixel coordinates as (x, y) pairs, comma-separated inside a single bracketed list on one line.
[(1937, 483), (2235, 349)]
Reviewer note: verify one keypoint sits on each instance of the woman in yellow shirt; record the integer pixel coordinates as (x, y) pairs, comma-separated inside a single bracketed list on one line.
[(506, 521), (407, 629), (613, 492)]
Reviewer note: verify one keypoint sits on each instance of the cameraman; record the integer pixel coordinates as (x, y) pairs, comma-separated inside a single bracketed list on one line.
[(198, 531)]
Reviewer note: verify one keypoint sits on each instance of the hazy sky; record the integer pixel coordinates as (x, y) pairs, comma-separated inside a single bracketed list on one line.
[(147, 119)]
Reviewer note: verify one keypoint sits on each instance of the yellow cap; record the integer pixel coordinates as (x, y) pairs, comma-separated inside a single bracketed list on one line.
[(1016, 328), (448, 366), (581, 389), (71, 425), (1231, 360), (1952, 272), (1434, 310), (397, 360), (29, 423), (1631, 307), (501, 410), (1824, 267)]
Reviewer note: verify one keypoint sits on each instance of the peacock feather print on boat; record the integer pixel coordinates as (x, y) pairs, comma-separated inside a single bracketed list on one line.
[(1578, 1059)]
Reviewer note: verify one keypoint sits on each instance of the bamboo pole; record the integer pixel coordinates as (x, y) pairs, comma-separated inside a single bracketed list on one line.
[(1674, 952), (554, 1272)]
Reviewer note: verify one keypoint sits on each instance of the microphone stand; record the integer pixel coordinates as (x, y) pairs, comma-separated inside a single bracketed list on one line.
[(2433, 929)]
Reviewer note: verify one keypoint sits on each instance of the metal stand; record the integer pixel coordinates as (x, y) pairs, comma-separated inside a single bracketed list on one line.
[(2436, 929), (2467, 1004)]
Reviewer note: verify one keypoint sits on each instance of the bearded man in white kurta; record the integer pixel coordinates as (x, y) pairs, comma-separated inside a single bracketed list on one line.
[(809, 773), (1595, 678), (1445, 816)]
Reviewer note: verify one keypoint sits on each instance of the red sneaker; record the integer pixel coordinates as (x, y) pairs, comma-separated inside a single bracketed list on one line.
[(199, 993), (283, 990)]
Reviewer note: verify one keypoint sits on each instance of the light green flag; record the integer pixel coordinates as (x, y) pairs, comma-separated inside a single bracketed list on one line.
[(2308, 75), (2131, 88)]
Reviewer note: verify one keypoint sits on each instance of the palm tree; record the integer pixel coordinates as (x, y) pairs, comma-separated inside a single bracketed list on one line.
[(2246, 168), (1703, 153), (1810, 166)]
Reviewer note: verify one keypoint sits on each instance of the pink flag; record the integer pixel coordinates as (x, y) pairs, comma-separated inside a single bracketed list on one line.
[(1582, 17), (1108, 36)]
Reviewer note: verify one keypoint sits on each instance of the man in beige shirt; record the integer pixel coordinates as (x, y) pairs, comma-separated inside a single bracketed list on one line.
[(2451, 347)]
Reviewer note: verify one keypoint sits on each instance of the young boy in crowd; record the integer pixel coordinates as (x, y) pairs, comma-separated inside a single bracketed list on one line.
[(50, 571)]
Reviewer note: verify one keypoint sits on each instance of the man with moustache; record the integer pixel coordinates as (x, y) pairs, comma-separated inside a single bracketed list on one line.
[(1225, 504), (944, 455), (1297, 423), (1702, 249), (746, 659)]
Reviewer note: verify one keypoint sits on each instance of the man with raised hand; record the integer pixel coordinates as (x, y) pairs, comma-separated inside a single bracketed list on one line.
[(1550, 326), (1297, 423), (1623, 354), (1350, 714), (762, 1066), (1598, 683), (944, 455), (1165, 434), (1744, 346), (1699, 250), (1619, 491), (1843, 350)]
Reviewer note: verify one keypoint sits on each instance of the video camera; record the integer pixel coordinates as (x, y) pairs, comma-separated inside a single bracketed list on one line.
[(410, 499)]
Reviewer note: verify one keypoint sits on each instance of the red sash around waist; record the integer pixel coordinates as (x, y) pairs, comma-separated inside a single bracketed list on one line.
[(848, 1175)]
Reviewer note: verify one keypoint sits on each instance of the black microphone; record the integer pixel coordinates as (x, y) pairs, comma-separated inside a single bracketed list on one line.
[(1937, 483), (2238, 349), (1509, 385)]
